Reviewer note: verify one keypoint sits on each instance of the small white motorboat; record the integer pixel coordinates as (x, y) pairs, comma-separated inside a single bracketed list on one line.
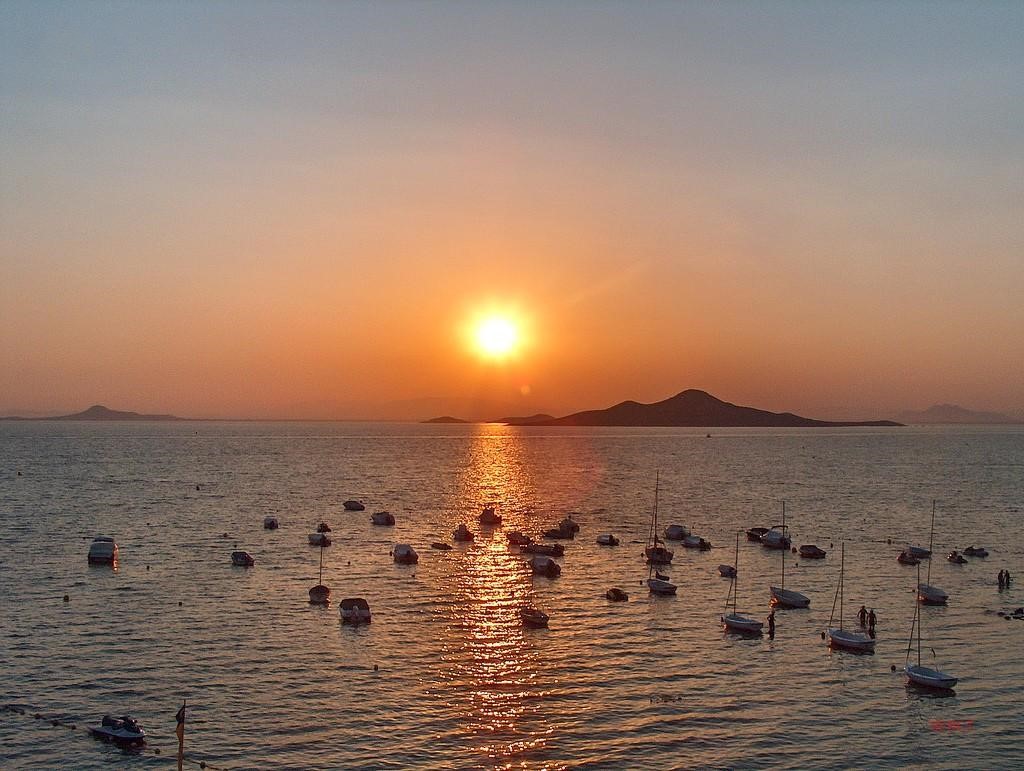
[(489, 518), (906, 558), (696, 542), (676, 533), (569, 525), (616, 595), (545, 566), (726, 571), (776, 537), (404, 554), (353, 506), (976, 551), (534, 617), (102, 551), (607, 539), (462, 533), (355, 610), (319, 539), (242, 559), (270, 523), (124, 731), (383, 518)]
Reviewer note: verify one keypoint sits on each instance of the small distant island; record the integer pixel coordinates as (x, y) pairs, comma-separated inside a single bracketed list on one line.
[(954, 414), (99, 412), (445, 419), (690, 408)]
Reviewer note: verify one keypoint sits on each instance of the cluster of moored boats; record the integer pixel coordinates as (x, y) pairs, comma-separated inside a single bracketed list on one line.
[(542, 562)]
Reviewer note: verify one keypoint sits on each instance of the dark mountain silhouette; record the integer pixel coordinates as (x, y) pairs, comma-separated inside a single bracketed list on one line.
[(445, 419), (953, 413), (527, 421), (695, 408), (99, 412)]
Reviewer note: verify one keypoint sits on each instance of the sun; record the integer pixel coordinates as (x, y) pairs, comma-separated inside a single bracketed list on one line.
[(496, 337)]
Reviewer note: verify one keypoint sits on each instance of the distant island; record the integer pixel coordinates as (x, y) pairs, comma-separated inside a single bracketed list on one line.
[(954, 414), (692, 408), (445, 419), (99, 412), (527, 421)]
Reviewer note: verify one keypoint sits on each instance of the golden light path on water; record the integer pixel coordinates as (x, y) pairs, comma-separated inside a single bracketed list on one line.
[(492, 666)]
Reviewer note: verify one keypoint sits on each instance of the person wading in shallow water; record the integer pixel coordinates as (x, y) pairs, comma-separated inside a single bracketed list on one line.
[(872, 618), (771, 625), (862, 615)]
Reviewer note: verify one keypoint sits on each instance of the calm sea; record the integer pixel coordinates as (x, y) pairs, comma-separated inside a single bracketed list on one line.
[(446, 676)]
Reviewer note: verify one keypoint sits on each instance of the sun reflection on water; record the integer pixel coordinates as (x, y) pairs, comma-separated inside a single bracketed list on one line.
[(491, 663)]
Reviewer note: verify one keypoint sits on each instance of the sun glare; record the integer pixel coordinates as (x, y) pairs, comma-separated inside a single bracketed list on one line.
[(496, 337)]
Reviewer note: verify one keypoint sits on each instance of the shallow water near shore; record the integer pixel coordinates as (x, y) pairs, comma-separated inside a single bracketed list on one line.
[(460, 683)]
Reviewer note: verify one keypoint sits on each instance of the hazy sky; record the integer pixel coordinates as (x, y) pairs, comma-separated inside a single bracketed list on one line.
[(295, 209)]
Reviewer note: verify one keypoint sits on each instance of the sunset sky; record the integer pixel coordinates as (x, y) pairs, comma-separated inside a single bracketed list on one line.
[(305, 209)]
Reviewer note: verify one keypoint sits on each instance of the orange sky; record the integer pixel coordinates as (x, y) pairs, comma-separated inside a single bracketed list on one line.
[(295, 214)]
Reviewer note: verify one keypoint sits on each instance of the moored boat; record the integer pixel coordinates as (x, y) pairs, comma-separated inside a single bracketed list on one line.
[(319, 539), (462, 533), (781, 596), (242, 559), (125, 730), (956, 558), (776, 537), (355, 610), (616, 595), (102, 551), (544, 549), (906, 558), (733, 620), (489, 518), (354, 506), (976, 551), (676, 533), (811, 551), (534, 617), (607, 539), (755, 533), (545, 566), (404, 554), (726, 571), (917, 674), (270, 523), (383, 518), (323, 527), (844, 638), (696, 542), (926, 592)]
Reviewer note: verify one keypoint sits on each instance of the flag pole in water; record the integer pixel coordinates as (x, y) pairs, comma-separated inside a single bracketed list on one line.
[(180, 730)]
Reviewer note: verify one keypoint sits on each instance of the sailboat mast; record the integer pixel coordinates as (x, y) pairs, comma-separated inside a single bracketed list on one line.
[(320, 578), (783, 545), (931, 545), (842, 578)]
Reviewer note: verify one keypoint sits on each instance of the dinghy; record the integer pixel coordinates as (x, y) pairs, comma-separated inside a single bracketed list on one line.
[(844, 638), (125, 731), (355, 610), (607, 539), (918, 674)]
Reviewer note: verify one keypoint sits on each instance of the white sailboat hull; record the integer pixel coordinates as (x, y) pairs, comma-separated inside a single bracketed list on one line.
[(931, 595), (851, 641), (787, 598), (734, 622), (657, 586), (929, 678)]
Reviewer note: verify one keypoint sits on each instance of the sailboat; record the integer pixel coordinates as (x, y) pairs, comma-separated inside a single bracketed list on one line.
[(320, 594), (916, 673), (734, 622), (926, 593), (781, 596), (843, 638), (657, 554)]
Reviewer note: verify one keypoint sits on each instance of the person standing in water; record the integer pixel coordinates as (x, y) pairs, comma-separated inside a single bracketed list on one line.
[(872, 618), (771, 625), (862, 615)]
